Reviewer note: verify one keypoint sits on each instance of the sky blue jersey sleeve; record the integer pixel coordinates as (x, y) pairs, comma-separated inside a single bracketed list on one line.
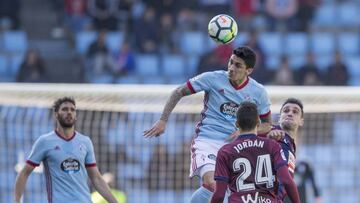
[(264, 107), (38, 152), (201, 82), (90, 155)]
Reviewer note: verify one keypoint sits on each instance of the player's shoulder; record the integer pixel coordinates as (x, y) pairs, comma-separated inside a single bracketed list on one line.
[(82, 136), (265, 139), (226, 147), (211, 77), (220, 74), (47, 136), (287, 139), (255, 84), (268, 141)]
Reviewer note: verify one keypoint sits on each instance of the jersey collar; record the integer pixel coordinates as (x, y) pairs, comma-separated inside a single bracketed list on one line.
[(244, 136), (241, 85), (63, 137)]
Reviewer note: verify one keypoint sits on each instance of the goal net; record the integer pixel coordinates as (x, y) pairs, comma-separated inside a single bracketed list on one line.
[(156, 170)]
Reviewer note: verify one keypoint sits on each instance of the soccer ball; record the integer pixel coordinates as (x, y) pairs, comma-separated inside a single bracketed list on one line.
[(222, 29)]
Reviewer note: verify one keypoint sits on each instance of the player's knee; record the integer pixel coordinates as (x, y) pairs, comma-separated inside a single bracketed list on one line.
[(208, 181), (211, 185)]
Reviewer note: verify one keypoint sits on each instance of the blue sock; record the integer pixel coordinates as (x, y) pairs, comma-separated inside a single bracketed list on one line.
[(201, 195)]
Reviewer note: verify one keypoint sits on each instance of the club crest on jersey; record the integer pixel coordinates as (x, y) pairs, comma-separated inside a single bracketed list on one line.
[(82, 148), (247, 97), (229, 110), (70, 166)]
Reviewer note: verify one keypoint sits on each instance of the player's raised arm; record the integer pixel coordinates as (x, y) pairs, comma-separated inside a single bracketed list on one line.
[(159, 127), (21, 182), (265, 125)]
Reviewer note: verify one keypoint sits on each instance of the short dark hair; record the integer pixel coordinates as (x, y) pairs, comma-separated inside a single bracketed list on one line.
[(246, 54), (294, 101), (61, 100), (247, 116)]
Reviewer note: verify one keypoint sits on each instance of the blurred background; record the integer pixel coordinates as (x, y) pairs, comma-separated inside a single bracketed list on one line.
[(299, 43)]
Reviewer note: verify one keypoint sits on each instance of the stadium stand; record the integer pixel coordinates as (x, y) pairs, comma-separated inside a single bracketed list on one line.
[(334, 27)]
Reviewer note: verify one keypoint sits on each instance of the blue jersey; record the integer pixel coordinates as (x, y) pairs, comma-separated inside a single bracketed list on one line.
[(64, 166), (222, 100)]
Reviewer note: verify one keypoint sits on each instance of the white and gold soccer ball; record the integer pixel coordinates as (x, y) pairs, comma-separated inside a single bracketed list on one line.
[(222, 29)]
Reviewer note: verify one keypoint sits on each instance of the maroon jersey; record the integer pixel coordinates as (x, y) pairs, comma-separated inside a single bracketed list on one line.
[(249, 166)]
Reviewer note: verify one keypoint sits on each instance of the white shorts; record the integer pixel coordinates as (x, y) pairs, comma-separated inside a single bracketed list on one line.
[(203, 155)]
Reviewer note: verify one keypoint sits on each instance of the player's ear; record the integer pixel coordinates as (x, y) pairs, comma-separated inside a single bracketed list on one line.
[(249, 70), (237, 124), (75, 115), (56, 115), (301, 123)]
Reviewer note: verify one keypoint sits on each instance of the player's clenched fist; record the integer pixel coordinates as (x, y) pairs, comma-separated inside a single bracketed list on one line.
[(276, 134)]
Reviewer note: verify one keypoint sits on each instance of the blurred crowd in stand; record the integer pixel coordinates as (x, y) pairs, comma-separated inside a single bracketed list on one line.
[(153, 27)]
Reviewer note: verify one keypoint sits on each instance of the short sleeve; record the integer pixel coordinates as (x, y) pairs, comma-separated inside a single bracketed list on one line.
[(90, 155), (200, 82), (38, 153), (264, 107), (221, 168), (279, 156)]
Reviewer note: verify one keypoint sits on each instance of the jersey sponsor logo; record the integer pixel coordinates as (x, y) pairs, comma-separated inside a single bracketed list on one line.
[(291, 162), (264, 200), (70, 166), (256, 199), (283, 154), (229, 110), (57, 147), (249, 198), (212, 157)]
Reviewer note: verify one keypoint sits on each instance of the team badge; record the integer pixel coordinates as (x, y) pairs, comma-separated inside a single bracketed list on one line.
[(247, 97)]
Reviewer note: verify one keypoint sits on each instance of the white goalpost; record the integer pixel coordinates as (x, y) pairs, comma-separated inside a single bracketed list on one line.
[(156, 170)]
